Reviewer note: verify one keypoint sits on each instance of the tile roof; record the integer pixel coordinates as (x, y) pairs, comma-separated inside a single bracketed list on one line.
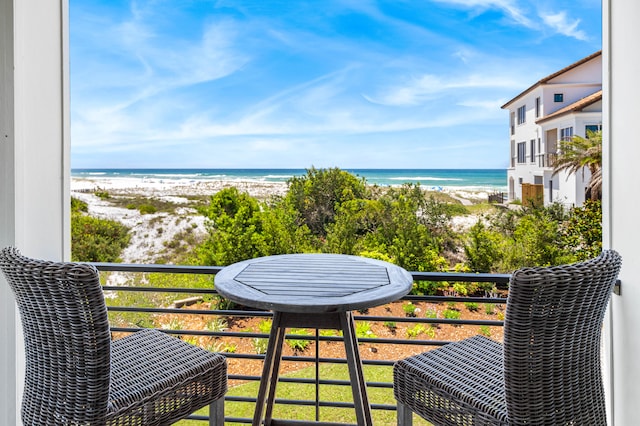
[(574, 107)]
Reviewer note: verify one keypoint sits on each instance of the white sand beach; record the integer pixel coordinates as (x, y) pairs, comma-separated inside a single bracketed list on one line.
[(151, 232)]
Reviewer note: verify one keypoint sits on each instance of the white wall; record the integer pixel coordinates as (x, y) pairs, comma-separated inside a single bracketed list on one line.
[(34, 159), (8, 398), (586, 73), (622, 230)]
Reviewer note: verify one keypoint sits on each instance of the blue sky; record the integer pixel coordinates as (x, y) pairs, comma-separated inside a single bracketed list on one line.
[(328, 83)]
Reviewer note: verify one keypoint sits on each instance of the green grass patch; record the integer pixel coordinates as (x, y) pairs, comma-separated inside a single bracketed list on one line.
[(327, 393)]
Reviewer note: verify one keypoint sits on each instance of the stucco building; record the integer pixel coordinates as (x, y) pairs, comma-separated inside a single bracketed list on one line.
[(559, 106)]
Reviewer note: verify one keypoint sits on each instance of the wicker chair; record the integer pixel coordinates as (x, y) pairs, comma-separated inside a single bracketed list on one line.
[(547, 372), (75, 374)]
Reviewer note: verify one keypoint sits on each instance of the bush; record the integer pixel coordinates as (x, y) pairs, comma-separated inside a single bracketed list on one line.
[(102, 194), (471, 306), (363, 330), (409, 309), (296, 344), (147, 209), (485, 330), (482, 248), (451, 314), (234, 225), (391, 325), (317, 195), (78, 205), (582, 232), (415, 331), (97, 240)]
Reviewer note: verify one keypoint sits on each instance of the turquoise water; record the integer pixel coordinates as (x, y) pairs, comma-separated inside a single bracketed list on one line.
[(472, 179)]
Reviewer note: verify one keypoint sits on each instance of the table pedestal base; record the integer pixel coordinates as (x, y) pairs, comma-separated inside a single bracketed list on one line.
[(337, 320)]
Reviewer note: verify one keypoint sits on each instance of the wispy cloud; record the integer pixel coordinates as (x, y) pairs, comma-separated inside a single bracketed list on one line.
[(428, 87), (509, 7), (560, 23)]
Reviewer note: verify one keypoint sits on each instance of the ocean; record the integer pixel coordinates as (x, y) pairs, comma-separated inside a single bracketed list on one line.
[(469, 179)]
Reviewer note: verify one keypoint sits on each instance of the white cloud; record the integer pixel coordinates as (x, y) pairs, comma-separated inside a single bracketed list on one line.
[(428, 87), (509, 7), (556, 21), (560, 23)]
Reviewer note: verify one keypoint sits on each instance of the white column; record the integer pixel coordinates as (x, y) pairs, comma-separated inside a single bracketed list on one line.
[(620, 205), (8, 398), (34, 159)]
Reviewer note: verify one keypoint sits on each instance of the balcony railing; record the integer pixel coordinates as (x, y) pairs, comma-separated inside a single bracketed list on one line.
[(323, 405), (547, 160)]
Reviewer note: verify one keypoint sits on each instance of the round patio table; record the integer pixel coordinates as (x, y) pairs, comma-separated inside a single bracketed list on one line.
[(316, 291)]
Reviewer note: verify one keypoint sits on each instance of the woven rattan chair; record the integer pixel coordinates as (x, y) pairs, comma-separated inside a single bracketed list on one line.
[(547, 372), (75, 374)]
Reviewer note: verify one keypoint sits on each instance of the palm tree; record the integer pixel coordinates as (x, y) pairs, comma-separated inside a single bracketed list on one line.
[(577, 153)]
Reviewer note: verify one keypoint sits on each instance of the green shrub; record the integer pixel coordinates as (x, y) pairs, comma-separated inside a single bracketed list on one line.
[(260, 345), (431, 332), (363, 330), (489, 308), (431, 313), (451, 314), (471, 306), (230, 348), (409, 309), (147, 209), (97, 240), (583, 230), (415, 331), (78, 205), (102, 194), (482, 248), (296, 344), (485, 330)]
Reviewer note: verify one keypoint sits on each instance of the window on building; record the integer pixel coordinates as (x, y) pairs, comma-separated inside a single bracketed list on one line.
[(532, 144), (522, 114), (540, 157), (592, 128), (513, 123), (566, 133), (558, 97), (522, 152), (537, 107)]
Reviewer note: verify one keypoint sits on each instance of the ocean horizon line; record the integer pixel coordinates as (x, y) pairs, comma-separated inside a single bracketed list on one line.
[(473, 179)]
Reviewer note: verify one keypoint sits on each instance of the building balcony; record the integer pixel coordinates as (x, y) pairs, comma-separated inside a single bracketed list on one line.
[(314, 384), (548, 159)]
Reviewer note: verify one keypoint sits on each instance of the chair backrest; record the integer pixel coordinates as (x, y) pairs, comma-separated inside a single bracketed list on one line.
[(67, 339), (552, 342)]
